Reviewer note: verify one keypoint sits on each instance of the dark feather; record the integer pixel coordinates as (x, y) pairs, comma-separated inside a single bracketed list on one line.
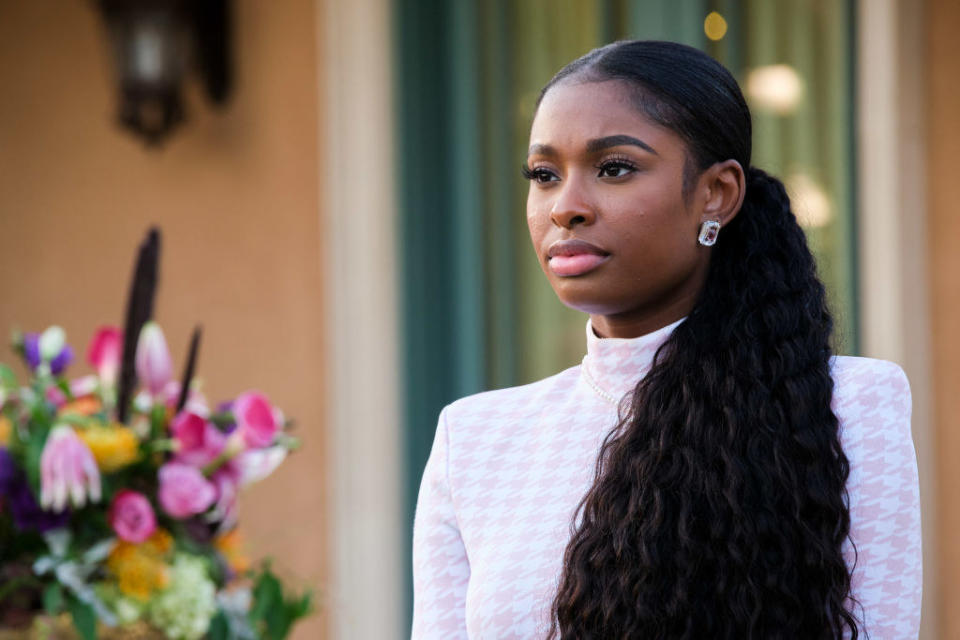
[(139, 311), (188, 370)]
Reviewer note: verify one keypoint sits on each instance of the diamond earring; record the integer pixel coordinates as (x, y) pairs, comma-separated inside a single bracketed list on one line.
[(709, 231)]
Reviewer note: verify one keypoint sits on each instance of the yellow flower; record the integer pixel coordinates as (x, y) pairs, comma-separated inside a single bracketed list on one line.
[(140, 569), (160, 543), (114, 446), (6, 428), (230, 545)]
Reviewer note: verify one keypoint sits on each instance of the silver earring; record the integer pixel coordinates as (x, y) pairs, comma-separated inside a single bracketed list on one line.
[(709, 231)]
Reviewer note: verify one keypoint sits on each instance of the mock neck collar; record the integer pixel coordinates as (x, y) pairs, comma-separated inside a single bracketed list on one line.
[(617, 364)]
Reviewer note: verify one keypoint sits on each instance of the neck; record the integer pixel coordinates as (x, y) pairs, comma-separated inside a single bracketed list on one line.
[(641, 322)]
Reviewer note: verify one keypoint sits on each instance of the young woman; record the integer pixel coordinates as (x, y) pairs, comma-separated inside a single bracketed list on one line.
[(710, 470)]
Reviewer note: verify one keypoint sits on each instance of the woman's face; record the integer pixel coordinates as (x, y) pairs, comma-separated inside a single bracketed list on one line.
[(606, 210)]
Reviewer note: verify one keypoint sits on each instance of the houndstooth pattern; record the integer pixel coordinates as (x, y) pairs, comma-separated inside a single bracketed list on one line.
[(508, 468)]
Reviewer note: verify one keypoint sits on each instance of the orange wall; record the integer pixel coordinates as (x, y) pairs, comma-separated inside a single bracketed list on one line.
[(237, 196), (943, 134)]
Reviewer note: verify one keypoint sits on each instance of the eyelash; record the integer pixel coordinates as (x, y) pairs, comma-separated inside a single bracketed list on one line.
[(615, 162), (533, 174), (537, 173)]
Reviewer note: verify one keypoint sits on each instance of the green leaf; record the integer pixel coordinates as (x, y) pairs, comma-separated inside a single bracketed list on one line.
[(64, 386), (84, 618), (53, 599), (36, 439), (158, 421), (272, 612), (267, 596), (8, 379), (219, 627)]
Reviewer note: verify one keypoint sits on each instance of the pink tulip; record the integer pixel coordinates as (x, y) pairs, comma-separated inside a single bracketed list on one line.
[(184, 492), (132, 517), (104, 353), (154, 367), (67, 470), (255, 419), (198, 442)]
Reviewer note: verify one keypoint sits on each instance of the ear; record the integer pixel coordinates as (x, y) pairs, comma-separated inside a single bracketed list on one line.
[(723, 186)]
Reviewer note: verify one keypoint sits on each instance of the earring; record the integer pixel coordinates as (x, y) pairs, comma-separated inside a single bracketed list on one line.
[(709, 231)]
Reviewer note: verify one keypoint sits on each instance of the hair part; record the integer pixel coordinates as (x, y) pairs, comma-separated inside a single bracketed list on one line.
[(719, 506)]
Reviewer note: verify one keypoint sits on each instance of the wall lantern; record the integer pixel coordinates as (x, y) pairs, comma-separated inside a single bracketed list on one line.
[(155, 44)]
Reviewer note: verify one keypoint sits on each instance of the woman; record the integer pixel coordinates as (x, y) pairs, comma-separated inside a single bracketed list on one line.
[(709, 470)]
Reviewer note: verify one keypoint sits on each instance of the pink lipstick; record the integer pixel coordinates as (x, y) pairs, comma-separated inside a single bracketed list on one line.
[(574, 257)]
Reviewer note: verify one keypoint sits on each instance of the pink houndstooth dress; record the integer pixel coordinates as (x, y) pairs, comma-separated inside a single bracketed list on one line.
[(508, 468)]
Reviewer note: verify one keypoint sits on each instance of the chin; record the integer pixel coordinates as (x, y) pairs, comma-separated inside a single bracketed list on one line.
[(583, 297)]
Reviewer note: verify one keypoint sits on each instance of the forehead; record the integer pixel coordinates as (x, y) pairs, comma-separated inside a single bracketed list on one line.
[(572, 113)]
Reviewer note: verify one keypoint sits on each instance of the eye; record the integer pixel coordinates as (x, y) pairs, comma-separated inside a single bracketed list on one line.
[(615, 169), (539, 175)]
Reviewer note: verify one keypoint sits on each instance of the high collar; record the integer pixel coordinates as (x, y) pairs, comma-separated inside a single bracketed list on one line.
[(615, 365)]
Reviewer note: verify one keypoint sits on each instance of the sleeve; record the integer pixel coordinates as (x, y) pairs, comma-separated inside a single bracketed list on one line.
[(441, 570), (884, 505)]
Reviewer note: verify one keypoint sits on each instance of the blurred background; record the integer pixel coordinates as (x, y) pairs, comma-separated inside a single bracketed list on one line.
[(338, 185)]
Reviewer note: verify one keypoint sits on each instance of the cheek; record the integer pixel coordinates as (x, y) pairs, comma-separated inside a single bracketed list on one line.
[(538, 222), (658, 241)]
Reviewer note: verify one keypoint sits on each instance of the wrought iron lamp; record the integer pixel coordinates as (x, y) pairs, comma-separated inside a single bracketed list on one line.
[(154, 45)]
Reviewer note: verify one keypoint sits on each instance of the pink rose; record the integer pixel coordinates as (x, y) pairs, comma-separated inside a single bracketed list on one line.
[(198, 442), (255, 419), (184, 491), (132, 517)]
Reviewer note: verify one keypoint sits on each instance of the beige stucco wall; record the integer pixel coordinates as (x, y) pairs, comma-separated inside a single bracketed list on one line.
[(237, 196), (943, 145)]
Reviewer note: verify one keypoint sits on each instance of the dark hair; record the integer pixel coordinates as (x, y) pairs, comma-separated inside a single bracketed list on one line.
[(719, 505)]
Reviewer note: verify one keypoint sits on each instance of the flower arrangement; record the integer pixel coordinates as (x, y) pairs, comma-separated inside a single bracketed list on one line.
[(118, 489)]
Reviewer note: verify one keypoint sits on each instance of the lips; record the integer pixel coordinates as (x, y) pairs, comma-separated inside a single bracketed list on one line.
[(574, 257)]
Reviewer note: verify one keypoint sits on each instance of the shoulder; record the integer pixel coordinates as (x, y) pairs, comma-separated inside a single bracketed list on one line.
[(850, 372), (871, 392), (872, 401)]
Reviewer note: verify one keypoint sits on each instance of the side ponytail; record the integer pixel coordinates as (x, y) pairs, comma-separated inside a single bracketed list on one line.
[(719, 507)]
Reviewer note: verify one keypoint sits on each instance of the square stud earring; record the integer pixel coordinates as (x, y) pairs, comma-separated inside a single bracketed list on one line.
[(709, 231)]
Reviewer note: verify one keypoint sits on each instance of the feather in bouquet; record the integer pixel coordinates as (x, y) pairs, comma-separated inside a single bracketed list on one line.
[(118, 490)]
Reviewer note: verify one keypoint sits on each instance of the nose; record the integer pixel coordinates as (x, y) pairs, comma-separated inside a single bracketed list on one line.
[(571, 207)]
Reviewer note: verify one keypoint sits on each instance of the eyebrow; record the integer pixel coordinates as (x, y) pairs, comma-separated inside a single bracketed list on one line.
[(597, 144)]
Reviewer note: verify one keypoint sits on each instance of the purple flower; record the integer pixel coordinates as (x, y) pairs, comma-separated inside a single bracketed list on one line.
[(16, 494), (8, 470), (31, 349), (227, 407), (63, 359)]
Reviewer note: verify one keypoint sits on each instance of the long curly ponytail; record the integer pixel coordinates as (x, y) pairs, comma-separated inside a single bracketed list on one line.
[(719, 507)]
